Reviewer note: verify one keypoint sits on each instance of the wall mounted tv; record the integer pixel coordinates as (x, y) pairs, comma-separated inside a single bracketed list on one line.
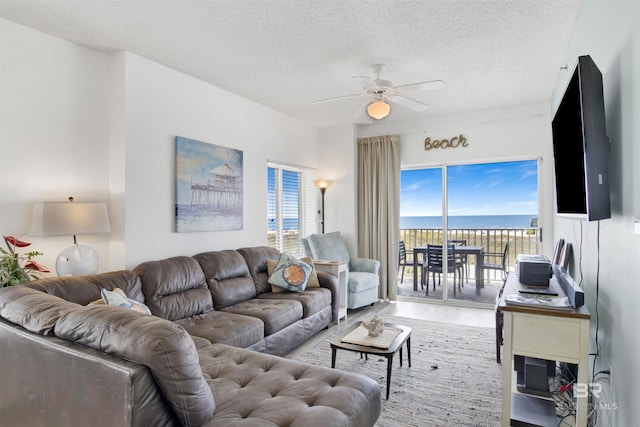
[(581, 147)]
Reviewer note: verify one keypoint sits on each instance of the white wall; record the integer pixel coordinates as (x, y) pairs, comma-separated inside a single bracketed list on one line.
[(606, 254), (337, 162), (161, 104), (101, 126), (54, 132), (117, 185)]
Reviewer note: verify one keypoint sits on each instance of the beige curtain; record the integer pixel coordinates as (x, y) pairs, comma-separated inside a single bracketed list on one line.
[(379, 207)]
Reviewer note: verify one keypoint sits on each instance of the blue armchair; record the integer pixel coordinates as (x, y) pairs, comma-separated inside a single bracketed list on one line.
[(364, 279)]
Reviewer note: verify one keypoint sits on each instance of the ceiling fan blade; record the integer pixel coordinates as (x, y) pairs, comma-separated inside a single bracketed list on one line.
[(429, 85), (337, 98), (408, 102), (368, 81)]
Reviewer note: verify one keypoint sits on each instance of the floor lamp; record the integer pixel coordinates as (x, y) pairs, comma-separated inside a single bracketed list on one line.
[(72, 218), (323, 184)]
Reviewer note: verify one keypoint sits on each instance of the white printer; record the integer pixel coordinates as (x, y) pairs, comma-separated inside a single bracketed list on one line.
[(533, 270)]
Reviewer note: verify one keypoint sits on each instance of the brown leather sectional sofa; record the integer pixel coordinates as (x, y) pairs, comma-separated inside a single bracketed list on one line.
[(198, 361)]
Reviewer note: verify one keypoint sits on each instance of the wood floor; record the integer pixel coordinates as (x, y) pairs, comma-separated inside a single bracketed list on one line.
[(438, 312)]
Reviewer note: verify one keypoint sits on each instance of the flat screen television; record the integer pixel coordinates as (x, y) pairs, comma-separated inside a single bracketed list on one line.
[(581, 147)]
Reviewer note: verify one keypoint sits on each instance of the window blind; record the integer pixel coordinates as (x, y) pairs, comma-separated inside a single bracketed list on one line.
[(291, 206)]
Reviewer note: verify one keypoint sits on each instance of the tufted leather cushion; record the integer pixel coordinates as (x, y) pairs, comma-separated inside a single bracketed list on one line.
[(165, 347), (226, 328), (257, 389), (175, 287), (256, 259), (227, 276), (313, 299), (276, 314), (84, 289)]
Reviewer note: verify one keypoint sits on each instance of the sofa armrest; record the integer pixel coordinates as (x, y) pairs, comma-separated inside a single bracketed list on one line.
[(164, 346), (364, 265), (47, 381), (329, 281)]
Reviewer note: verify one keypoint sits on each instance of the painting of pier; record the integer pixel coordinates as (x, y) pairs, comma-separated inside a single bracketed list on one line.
[(208, 187)]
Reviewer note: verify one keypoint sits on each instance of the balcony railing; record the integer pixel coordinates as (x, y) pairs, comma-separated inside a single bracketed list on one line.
[(521, 241)]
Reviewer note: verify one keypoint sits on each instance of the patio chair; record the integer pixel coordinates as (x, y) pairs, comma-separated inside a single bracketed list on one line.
[(496, 261), (434, 264), (463, 259), (402, 259)]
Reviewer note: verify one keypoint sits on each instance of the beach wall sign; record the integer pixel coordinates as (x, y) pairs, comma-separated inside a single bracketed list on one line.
[(455, 142)]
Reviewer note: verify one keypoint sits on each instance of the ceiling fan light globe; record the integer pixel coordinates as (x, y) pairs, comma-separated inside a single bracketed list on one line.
[(378, 110)]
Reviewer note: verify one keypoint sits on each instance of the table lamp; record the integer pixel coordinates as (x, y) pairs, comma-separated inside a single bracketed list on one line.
[(71, 218)]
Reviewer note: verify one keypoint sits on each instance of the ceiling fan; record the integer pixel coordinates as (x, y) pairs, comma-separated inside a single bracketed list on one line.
[(382, 92)]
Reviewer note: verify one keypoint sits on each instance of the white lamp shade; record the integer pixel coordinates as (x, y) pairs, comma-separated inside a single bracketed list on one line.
[(69, 218), (378, 110)]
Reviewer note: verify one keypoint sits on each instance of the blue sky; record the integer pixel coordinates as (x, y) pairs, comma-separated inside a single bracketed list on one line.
[(506, 188)]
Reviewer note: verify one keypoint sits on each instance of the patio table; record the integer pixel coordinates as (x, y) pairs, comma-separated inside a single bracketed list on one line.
[(478, 251)]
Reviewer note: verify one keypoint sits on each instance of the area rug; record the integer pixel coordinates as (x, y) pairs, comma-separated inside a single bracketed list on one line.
[(453, 380)]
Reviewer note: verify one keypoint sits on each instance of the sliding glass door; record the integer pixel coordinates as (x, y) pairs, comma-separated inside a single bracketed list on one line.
[(421, 207), (476, 208)]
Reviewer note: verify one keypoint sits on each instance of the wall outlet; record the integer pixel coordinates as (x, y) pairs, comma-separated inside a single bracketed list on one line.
[(636, 226)]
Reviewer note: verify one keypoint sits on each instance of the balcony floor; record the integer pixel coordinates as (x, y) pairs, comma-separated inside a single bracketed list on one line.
[(468, 294)]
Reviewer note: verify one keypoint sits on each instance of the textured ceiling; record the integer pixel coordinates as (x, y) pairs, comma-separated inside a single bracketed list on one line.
[(287, 53)]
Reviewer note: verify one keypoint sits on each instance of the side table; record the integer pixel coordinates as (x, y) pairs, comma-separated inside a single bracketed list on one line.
[(340, 270), (396, 346)]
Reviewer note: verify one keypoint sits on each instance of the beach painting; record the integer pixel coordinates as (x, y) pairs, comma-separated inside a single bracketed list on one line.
[(208, 187)]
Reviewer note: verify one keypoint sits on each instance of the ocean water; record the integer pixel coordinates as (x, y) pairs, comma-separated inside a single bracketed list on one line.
[(288, 223), (422, 222), (471, 221)]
